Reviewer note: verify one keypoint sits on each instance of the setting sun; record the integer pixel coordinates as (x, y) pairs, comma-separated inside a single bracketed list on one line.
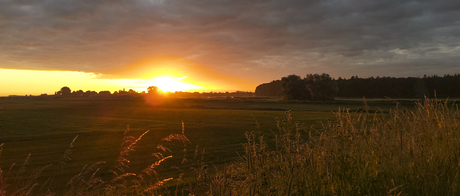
[(169, 83)]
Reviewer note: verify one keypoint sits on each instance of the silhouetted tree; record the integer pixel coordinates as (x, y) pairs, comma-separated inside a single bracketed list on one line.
[(89, 93), (420, 90), (123, 92), (132, 92), (104, 93), (294, 88), (152, 90), (273, 88), (65, 91), (79, 93), (321, 87), (380, 87)]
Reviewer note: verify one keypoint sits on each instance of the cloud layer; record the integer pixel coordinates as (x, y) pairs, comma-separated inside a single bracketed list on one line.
[(255, 40)]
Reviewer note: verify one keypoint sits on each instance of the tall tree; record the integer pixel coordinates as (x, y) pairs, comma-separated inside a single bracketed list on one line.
[(273, 88), (321, 87), (65, 91), (152, 89), (420, 89), (294, 88)]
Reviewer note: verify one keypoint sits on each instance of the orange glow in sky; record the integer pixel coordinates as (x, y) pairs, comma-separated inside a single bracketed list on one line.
[(171, 84), (35, 82), (167, 73), (170, 73)]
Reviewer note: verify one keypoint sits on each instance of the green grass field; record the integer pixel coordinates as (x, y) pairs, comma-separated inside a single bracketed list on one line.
[(45, 128)]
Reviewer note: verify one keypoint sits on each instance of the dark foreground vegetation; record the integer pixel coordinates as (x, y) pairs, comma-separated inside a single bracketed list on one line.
[(400, 151)]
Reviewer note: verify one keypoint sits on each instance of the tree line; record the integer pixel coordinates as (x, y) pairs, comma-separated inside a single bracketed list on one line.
[(314, 87), (322, 87), (66, 92), (151, 91)]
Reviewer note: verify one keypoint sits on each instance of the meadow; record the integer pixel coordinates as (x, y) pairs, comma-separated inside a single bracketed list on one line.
[(61, 139)]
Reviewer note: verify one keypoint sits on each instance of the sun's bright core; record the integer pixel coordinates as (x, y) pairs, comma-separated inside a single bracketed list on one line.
[(171, 84)]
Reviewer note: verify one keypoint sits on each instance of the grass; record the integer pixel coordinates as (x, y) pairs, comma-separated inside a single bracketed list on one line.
[(399, 151), (409, 152)]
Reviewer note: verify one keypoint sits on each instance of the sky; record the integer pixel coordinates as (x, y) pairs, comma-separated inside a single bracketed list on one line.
[(219, 45)]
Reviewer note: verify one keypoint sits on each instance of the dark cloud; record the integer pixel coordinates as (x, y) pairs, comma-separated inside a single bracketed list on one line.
[(263, 40)]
